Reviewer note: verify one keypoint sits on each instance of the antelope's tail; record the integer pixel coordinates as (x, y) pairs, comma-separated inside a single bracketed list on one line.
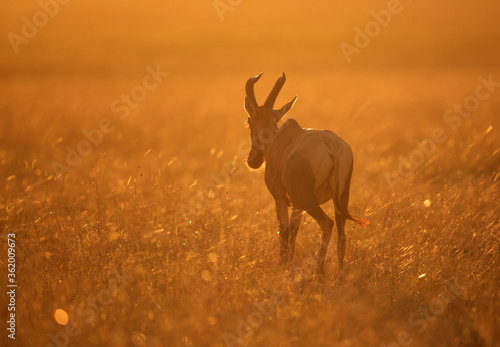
[(341, 181), (358, 220)]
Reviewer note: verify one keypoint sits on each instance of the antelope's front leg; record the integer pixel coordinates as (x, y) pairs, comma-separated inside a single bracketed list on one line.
[(294, 227), (282, 212)]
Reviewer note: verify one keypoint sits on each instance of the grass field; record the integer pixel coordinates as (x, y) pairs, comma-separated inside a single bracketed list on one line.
[(158, 234)]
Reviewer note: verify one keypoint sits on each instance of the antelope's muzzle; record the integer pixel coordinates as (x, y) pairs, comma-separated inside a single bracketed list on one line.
[(255, 158)]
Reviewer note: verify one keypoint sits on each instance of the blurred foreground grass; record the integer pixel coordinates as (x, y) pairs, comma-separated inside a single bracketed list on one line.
[(167, 201)]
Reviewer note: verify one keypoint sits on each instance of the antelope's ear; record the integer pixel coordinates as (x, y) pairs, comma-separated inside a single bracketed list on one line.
[(282, 111), (249, 106)]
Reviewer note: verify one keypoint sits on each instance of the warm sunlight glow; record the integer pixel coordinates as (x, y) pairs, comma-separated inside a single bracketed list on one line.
[(150, 197)]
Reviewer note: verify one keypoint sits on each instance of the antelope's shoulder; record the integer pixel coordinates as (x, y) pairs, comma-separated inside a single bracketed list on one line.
[(288, 132), (285, 137), (290, 126)]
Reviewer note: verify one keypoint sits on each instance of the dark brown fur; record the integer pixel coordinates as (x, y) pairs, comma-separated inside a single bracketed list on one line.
[(304, 169)]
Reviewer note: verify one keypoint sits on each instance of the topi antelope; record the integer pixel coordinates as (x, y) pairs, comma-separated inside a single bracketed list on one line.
[(304, 169)]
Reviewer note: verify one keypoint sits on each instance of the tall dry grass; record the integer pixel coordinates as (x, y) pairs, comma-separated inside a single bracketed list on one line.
[(167, 201)]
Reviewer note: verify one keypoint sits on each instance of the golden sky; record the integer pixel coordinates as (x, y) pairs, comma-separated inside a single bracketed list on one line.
[(215, 35)]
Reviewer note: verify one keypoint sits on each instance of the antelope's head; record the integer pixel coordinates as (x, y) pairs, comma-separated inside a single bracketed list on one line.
[(263, 120)]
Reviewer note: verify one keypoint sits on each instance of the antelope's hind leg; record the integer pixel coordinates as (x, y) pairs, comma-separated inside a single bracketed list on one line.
[(326, 224), (340, 219)]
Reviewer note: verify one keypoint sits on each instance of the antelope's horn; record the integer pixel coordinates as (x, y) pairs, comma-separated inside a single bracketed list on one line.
[(249, 88), (271, 99)]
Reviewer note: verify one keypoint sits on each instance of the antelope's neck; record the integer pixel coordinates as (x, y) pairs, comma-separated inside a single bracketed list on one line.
[(268, 143)]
